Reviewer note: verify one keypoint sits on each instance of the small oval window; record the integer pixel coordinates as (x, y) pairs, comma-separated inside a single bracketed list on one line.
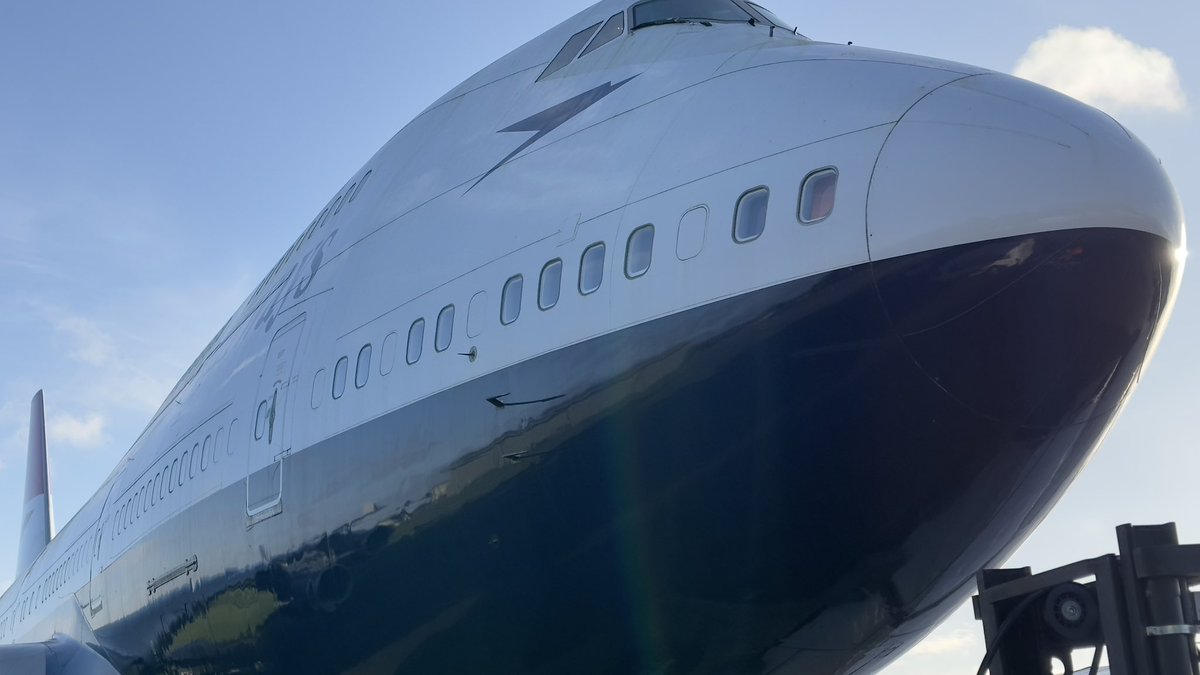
[(817, 196), (361, 183), (550, 285), (751, 217), (339, 376), (260, 421), (362, 371), (510, 302), (591, 269), (445, 329), (387, 354), (639, 251), (416, 341)]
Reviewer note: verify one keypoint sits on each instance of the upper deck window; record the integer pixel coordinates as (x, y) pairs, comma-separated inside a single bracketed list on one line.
[(657, 12), (611, 31), (569, 50)]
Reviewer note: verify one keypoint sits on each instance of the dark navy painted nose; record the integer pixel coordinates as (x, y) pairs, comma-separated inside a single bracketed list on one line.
[(1026, 249)]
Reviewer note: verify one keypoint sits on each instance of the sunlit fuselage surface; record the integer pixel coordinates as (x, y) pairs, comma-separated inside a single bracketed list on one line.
[(711, 349)]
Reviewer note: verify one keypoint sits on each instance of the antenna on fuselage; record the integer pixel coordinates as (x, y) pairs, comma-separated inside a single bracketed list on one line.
[(36, 521)]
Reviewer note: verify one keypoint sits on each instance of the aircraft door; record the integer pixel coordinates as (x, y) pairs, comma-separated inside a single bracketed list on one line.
[(271, 439)]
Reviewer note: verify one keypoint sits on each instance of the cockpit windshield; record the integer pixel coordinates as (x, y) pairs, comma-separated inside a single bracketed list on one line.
[(655, 12), (770, 16)]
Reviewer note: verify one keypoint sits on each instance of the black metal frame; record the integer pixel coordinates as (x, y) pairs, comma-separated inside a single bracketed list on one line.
[(1139, 602)]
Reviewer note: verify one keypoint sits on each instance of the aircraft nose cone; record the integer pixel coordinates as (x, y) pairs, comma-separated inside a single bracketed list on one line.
[(1026, 248)]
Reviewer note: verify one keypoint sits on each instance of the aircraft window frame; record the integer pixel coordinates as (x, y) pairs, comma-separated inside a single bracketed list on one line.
[(389, 343), (194, 461), (339, 377), (544, 302), (260, 421), (738, 215), (602, 37), (588, 263), (445, 325), (630, 251), (337, 204), (769, 17), (571, 50), (417, 330), (674, 16), (362, 375), (171, 476), (207, 456), (808, 186), (510, 299), (361, 183)]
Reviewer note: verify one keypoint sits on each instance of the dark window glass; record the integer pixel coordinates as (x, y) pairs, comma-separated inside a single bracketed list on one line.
[(171, 476), (550, 285), (194, 461), (206, 453), (387, 353), (185, 466), (611, 31), (639, 251), (416, 341), (591, 269), (818, 195), (337, 205), (361, 183), (260, 421), (751, 218), (339, 376), (445, 329), (362, 370), (569, 50), (654, 12), (160, 485), (770, 16), (510, 302)]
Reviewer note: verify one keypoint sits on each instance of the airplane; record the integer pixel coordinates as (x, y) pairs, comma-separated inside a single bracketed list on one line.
[(671, 342)]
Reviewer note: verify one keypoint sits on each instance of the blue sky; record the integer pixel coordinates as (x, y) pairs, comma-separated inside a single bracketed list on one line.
[(157, 158)]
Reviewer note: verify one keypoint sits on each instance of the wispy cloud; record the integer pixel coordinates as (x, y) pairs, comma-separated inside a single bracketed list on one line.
[(954, 642), (93, 346), (1100, 67), (79, 432)]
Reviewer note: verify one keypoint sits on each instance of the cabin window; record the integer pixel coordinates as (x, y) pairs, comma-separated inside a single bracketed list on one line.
[(185, 466), (220, 441), (445, 329), (550, 285), (817, 196), (611, 31), (337, 205), (260, 420), (416, 341), (171, 476), (591, 269), (510, 302), (361, 183), (362, 371), (233, 426), (387, 354), (639, 251), (194, 461), (751, 217), (206, 453), (161, 485), (569, 51), (339, 377)]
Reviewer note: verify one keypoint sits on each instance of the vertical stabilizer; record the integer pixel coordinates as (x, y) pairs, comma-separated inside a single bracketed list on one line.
[(35, 515)]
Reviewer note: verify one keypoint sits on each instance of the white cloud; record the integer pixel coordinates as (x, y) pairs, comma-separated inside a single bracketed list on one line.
[(65, 429), (1104, 69), (93, 346), (954, 642)]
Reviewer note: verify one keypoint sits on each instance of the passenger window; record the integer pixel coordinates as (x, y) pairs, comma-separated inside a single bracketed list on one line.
[(416, 341), (183, 467), (591, 269), (477, 314), (339, 377), (171, 476), (818, 195), (611, 31), (510, 303), (387, 354), (194, 461), (337, 205), (362, 371), (639, 251), (445, 329), (751, 217), (569, 51), (159, 485), (260, 421), (318, 388), (551, 284), (208, 454), (361, 183)]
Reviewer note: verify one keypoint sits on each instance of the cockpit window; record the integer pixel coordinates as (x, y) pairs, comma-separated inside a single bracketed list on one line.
[(771, 17), (656, 12), (611, 31), (570, 50)]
